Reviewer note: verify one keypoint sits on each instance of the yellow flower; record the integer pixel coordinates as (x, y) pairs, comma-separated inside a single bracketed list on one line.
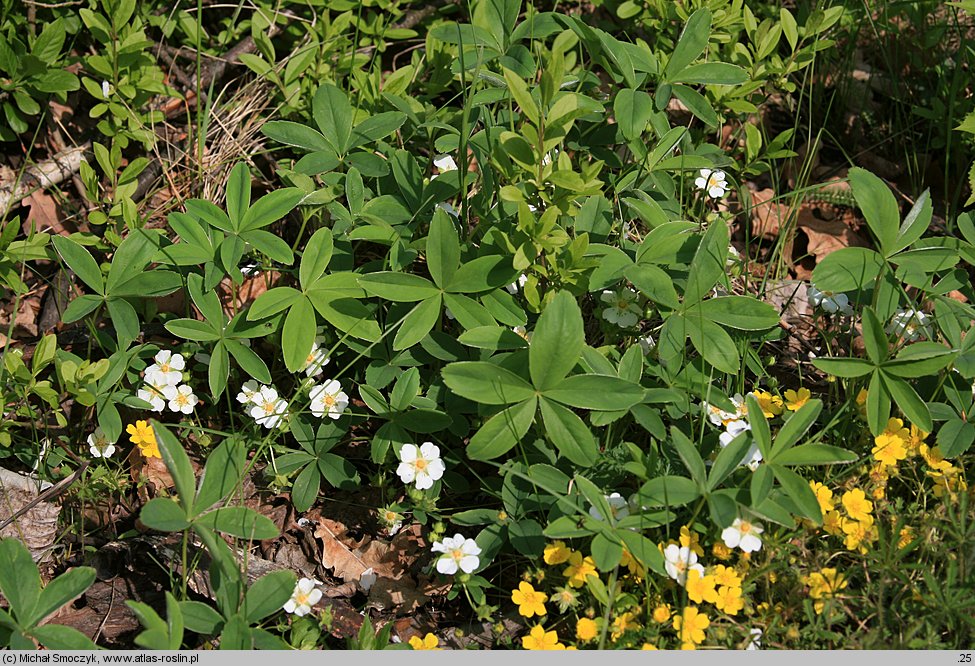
[(824, 584), (948, 481), (721, 551), (623, 623), (556, 553), (142, 435), (861, 401), (700, 588), (771, 404), (794, 400), (726, 576), (891, 445), (932, 456), (728, 599), (661, 613), (906, 536), (579, 569), (632, 565), (857, 506), (857, 532), (649, 646), (428, 642), (530, 602), (916, 439), (823, 495), (690, 540), (833, 523), (691, 625), (539, 639), (586, 629)]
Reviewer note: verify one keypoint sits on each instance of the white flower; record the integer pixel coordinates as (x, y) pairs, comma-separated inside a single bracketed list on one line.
[(391, 520), (734, 421), (447, 208), (734, 257), (315, 361), (248, 392), (517, 284), (712, 182), (181, 399), (753, 457), (450, 315), (678, 561), (167, 369), (828, 301), (458, 553), (305, 596), (910, 325), (367, 579), (756, 641), (444, 163), (618, 505), (646, 343), (99, 445), (624, 311), (328, 398), (423, 465), (268, 408), (106, 88), (743, 534), (153, 394)]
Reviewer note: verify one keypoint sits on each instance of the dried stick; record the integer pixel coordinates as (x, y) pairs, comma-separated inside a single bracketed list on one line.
[(40, 176)]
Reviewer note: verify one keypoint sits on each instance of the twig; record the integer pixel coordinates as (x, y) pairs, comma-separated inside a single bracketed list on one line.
[(53, 491), (40, 176)]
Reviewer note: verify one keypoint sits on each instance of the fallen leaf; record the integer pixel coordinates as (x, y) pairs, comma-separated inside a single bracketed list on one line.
[(768, 215), (401, 595), (826, 236), (43, 215), (349, 559), (37, 526)]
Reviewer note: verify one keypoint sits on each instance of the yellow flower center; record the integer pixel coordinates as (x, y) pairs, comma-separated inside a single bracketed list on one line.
[(164, 367), (301, 599), (329, 400), (420, 464), (457, 553), (745, 527), (181, 399), (268, 407)]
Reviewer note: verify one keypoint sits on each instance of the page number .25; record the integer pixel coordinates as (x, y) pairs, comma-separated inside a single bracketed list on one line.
[(965, 658)]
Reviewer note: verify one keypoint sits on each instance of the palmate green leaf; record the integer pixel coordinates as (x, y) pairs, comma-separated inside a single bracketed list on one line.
[(268, 594), (799, 492), (333, 115), (81, 307), (420, 320), (844, 367), (693, 40), (920, 360), (712, 73), (690, 456), (269, 244), (874, 338), (238, 194), (486, 383), (669, 490), (241, 522), (632, 109), (468, 312), (739, 312), (713, 343), (955, 437), (556, 342), (878, 206), (502, 431), (270, 208), (654, 283), (708, 265), (80, 261), (598, 392), (272, 301), (398, 287), (848, 269), (298, 334), (164, 515), (20, 581), (569, 434), (191, 329), (178, 464), (815, 454), (878, 404), (295, 134), (909, 402), (375, 127), (315, 258), (797, 426)]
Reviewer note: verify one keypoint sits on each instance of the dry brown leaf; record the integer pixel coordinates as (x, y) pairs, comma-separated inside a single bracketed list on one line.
[(826, 236), (43, 215), (247, 292), (349, 559), (25, 323), (768, 215), (36, 527), (401, 594)]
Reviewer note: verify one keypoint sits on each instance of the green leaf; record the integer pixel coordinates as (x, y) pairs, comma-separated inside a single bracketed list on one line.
[(19, 580), (60, 637), (494, 338), (398, 287), (298, 334), (632, 109), (527, 537), (844, 367), (654, 283), (270, 208), (708, 264), (268, 594), (164, 515), (728, 460), (699, 105), (740, 312), (909, 402), (481, 274), (712, 73), (874, 338), (569, 434), (420, 320), (248, 359), (556, 342), (333, 115), (295, 134), (315, 258), (878, 404), (200, 618), (916, 222), (125, 319), (955, 437), (600, 392), (238, 194), (761, 432), (815, 454), (878, 206), (223, 473), (690, 456), (797, 426), (761, 484), (219, 370), (714, 344), (522, 96), (305, 488), (178, 464), (799, 492), (79, 261), (848, 269), (241, 522), (693, 40), (272, 302), (486, 383), (81, 307), (920, 360), (643, 550), (502, 431), (606, 553), (670, 491), (63, 589), (269, 244)]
